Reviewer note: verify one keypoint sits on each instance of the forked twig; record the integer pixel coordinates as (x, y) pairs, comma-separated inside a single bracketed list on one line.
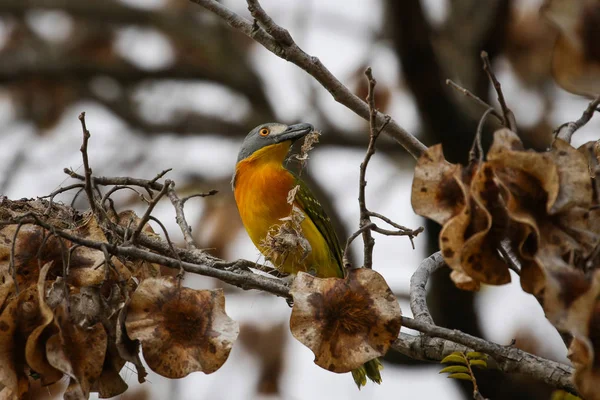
[(366, 226), (151, 205), (508, 116)]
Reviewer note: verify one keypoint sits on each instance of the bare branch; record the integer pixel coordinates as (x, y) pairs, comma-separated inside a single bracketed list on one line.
[(123, 181), (146, 216), (180, 218), (475, 98), (418, 282), (211, 192), (360, 230), (508, 359), (86, 164), (365, 219), (313, 66), (508, 116), (365, 223), (477, 147), (278, 33), (567, 134)]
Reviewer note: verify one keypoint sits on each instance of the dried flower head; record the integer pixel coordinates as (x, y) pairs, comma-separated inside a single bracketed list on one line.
[(345, 322), (181, 330)]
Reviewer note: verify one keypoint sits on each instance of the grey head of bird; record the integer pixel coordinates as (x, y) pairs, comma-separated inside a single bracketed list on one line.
[(271, 133)]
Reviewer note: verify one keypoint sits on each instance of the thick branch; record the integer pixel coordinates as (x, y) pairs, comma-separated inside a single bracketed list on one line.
[(418, 282), (236, 273), (508, 358)]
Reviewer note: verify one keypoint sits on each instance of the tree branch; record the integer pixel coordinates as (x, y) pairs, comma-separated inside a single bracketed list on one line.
[(567, 134), (313, 66), (418, 281), (508, 116), (86, 164), (508, 359)]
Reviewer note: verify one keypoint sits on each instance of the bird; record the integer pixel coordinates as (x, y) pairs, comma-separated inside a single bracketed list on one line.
[(261, 184)]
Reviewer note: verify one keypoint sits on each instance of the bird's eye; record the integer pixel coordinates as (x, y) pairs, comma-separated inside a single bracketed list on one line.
[(264, 132)]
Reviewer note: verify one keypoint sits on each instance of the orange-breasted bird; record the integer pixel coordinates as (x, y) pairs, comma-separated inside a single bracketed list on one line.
[(261, 184)]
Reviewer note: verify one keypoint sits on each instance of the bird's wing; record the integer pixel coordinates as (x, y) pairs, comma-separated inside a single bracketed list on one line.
[(314, 210)]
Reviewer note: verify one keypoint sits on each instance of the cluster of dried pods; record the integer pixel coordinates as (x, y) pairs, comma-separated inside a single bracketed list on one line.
[(538, 212), (70, 310)]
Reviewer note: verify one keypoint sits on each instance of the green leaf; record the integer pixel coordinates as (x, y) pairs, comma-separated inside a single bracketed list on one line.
[(475, 355), (456, 358), (478, 363), (460, 375), (455, 368)]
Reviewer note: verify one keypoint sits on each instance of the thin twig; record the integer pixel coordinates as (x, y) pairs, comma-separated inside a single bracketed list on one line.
[(508, 116), (86, 164), (313, 66), (587, 115), (146, 216), (389, 221), (114, 189), (207, 194), (186, 230), (475, 98), (160, 175), (58, 191), (365, 219), (476, 394), (477, 141), (74, 199), (108, 264), (170, 243), (120, 180), (345, 259)]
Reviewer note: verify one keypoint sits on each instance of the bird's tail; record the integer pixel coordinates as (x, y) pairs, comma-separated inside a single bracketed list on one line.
[(369, 370)]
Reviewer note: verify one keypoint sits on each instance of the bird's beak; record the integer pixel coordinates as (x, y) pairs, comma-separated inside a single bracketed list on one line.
[(294, 132)]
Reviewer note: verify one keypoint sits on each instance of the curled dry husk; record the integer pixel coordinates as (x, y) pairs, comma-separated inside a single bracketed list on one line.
[(542, 206)]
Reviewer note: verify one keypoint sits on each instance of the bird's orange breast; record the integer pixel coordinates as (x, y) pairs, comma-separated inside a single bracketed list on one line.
[(261, 194), (261, 187)]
